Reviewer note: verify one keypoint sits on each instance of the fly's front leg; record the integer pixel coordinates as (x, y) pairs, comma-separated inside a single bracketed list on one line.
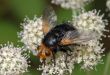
[(43, 62)]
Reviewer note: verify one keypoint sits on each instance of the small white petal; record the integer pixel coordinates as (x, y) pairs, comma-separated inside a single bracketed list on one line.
[(32, 33), (71, 4), (12, 61)]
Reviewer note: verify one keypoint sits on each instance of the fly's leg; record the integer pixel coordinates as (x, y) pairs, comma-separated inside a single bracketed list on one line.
[(67, 52), (66, 60), (53, 55), (43, 62)]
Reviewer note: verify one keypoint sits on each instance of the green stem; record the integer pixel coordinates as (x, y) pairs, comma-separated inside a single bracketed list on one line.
[(107, 66), (88, 73), (74, 13)]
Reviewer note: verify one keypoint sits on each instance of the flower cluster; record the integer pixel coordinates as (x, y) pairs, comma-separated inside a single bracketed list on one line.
[(90, 22), (12, 60), (32, 33), (71, 4), (60, 67), (108, 7), (88, 53), (108, 4)]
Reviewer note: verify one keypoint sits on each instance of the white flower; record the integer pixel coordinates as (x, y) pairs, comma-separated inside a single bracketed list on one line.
[(90, 21), (90, 51), (108, 7), (88, 54), (71, 4), (12, 60), (108, 4), (32, 33), (60, 67)]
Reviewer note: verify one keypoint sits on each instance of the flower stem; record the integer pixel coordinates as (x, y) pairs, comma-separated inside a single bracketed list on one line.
[(88, 73), (107, 66)]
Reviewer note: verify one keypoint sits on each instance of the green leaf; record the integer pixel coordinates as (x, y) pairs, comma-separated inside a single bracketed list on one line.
[(8, 32), (27, 7)]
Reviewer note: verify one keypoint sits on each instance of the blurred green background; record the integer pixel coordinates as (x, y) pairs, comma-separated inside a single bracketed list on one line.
[(13, 12)]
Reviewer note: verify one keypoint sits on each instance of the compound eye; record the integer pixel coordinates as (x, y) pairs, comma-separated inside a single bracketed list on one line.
[(47, 53), (38, 47)]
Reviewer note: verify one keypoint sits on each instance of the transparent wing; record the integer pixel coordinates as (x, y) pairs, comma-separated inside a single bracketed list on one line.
[(84, 37), (49, 19), (69, 37), (74, 37), (71, 34)]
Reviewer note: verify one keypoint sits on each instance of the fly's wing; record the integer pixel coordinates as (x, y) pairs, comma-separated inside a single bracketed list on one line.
[(69, 37), (49, 19), (84, 37), (74, 37)]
